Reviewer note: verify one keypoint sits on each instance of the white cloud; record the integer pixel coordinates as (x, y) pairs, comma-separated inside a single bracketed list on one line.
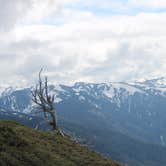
[(148, 3), (13, 12), (85, 47)]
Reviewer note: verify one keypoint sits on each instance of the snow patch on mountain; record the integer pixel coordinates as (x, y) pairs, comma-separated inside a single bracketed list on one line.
[(129, 88), (109, 93), (58, 88), (81, 98), (7, 91), (57, 100), (162, 139)]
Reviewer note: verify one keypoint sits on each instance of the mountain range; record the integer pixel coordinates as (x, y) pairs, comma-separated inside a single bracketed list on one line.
[(124, 120)]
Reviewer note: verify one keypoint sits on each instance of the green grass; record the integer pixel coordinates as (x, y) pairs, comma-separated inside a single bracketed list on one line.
[(22, 146)]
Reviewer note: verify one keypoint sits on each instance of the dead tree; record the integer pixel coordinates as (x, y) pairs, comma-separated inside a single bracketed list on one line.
[(45, 102)]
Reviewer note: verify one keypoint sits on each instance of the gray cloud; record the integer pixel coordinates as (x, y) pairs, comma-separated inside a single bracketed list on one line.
[(86, 47), (127, 63), (11, 11)]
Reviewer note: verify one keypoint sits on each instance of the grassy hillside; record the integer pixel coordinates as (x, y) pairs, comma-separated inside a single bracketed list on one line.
[(22, 146)]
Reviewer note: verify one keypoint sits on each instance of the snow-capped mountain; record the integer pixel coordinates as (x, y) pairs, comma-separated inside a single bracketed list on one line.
[(135, 109), (122, 105), (113, 92)]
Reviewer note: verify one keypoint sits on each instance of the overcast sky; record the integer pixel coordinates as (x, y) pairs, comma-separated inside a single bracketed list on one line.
[(82, 40)]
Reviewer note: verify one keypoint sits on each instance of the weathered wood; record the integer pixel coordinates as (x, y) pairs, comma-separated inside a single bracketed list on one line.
[(45, 101)]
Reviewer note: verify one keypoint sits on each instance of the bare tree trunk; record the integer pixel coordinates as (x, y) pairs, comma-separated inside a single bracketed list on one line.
[(54, 122), (45, 101)]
